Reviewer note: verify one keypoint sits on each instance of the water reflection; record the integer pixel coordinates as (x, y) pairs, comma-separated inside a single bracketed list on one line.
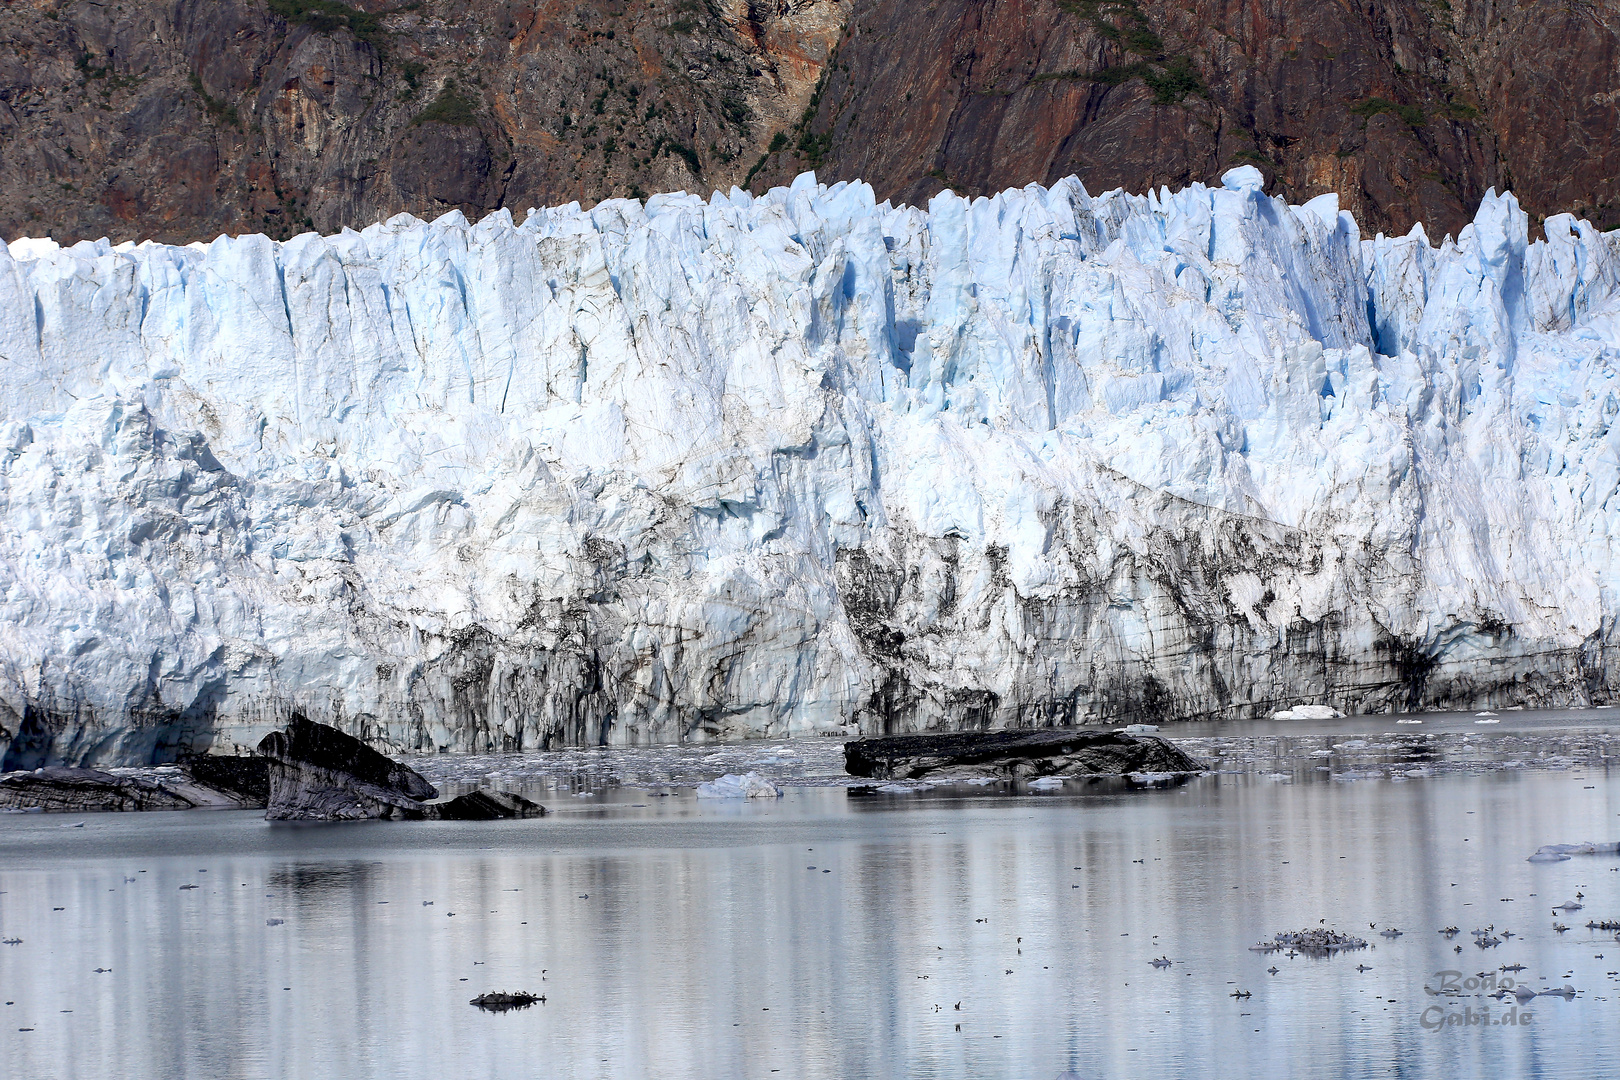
[(827, 935)]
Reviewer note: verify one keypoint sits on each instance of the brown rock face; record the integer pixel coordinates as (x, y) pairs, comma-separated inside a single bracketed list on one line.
[(1409, 110), (184, 119), (177, 121)]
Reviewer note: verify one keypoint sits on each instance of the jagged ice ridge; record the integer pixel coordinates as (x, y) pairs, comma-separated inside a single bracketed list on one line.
[(799, 464)]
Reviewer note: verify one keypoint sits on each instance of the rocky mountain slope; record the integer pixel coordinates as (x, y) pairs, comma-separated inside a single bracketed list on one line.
[(181, 120), (806, 463), (1408, 109)]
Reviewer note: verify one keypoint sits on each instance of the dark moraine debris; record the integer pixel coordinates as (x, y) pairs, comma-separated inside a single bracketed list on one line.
[(64, 790), (486, 806), (1015, 754), (317, 773), (246, 778), (502, 1001)]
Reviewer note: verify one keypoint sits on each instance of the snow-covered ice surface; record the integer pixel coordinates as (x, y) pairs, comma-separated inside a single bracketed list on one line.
[(801, 464)]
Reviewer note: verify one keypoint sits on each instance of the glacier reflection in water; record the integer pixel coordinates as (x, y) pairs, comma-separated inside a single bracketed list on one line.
[(831, 934)]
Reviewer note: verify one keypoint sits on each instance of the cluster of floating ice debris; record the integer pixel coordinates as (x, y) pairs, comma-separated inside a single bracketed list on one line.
[(815, 762), (1404, 756), (819, 762), (1319, 941)]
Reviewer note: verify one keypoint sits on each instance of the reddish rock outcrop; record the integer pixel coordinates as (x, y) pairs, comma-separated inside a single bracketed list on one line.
[(181, 120), (1408, 110)]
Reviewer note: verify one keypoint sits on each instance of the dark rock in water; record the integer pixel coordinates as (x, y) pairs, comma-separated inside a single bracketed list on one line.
[(486, 806), (317, 773), (58, 789), (247, 778), (305, 741), (501, 1002), (1014, 754)]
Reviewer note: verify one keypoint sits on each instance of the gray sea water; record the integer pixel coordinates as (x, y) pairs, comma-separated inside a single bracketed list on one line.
[(937, 932)]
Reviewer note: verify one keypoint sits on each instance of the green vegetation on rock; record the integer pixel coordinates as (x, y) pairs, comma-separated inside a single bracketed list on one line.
[(1375, 105), (449, 108)]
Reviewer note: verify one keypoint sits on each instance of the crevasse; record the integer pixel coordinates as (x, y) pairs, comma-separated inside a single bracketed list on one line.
[(799, 464)]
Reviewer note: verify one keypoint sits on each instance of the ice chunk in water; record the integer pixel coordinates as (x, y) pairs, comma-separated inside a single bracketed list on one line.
[(747, 786), (1308, 712)]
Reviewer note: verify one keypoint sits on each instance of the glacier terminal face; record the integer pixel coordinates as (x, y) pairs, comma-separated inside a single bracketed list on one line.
[(802, 464)]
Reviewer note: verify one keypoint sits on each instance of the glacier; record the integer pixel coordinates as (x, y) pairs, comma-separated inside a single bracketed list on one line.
[(802, 464)]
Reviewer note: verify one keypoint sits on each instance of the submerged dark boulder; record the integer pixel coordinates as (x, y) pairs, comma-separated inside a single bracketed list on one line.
[(486, 806), (59, 789), (1015, 754), (317, 773)]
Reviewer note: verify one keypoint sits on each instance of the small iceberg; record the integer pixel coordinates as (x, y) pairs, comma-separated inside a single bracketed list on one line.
[(1550, 853), (1409, 721), (1308, 712), (1139, 729), (1046, 783), (747, 786), (1485, 713)]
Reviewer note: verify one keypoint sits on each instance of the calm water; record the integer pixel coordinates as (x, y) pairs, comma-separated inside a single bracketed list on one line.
[(674, 938)]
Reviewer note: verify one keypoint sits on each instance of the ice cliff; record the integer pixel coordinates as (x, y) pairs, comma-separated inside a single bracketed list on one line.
[(802, 464)]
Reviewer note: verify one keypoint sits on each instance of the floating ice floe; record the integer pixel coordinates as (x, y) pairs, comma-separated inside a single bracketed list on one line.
[(747, 786), (1046, 783), (1409, 721), (1154, 779), (1308, 712), (1140, 729), (1562, 852)]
